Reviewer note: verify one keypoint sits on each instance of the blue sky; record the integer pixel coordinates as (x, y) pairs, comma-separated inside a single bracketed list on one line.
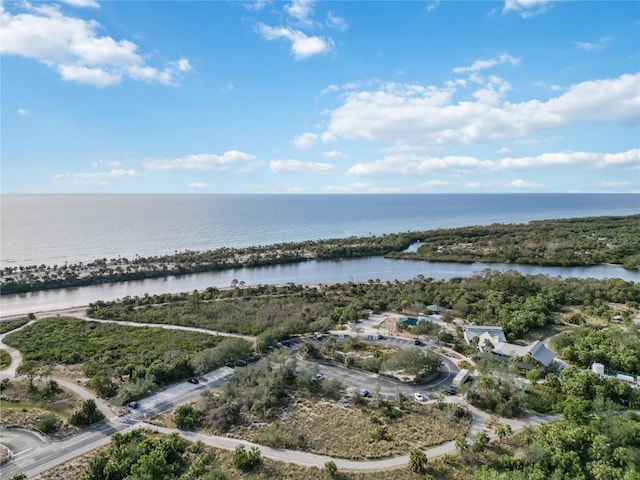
[(320, 97)]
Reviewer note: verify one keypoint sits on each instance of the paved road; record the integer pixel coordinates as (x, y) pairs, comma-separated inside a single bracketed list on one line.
[(314, 460), (40, 458), (37, 457), (386, 387)]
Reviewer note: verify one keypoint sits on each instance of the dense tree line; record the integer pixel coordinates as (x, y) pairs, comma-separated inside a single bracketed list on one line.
[(518, 303), (567, 242), (616, 348), (584, 447), (140, 455), (578, 241)]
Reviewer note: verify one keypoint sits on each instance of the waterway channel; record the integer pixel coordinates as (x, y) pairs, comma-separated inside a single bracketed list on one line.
[(356, 270)]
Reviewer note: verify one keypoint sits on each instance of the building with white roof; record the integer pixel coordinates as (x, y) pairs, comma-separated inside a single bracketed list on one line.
[(492, 339)]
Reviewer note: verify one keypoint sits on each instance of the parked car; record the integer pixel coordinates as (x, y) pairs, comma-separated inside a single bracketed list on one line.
[(364, 393), (193, 380), (380, 337), (417, 342), (450, 391), (419, 397), (241, 363), (133, 404), (319, 377)]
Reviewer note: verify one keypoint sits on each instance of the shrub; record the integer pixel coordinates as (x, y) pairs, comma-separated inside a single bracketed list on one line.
[(246, 460), (87, 414), (47, 424), (188, 417), (417, 461), (331, 468)]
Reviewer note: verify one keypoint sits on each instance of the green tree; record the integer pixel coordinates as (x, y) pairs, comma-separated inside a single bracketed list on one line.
[(534, 375), (87, 414), (188, 417), (331, 468), (246, 460), (480, 441), (47, 424), (417, 461)]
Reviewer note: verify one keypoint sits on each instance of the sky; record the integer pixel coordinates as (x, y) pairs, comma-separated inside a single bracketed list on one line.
[(320, 97)]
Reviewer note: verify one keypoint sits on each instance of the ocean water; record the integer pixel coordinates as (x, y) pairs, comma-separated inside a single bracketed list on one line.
[(53, 229)]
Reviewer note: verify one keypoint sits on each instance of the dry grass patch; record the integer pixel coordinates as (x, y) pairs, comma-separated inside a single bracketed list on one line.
[(31, 419), (345, 431)]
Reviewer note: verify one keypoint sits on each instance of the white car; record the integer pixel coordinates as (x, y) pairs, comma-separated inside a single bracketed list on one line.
[(419, 397)]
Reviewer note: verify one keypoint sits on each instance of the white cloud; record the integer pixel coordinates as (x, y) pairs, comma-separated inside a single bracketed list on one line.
[(510, 185), (255, 6), (431, 6), (97, 178), (297, 166), (227, 88), (526, 8), (411, 164), (302, 46), (22, 111), (306, 140), (275, 187), (336, 21), (82, 3), (357, 187), (201, 162), (598, 45), (435, 183), (300, 10), (428, 116), (73, 47), (333, 154), (198, 185), (108, 163), (482, 64), (403, 164)]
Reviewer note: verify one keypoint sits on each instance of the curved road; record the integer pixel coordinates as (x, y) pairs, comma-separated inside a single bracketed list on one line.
[(36, 456)]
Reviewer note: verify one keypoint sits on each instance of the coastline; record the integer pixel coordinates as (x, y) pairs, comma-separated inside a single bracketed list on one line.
[(444, 246)]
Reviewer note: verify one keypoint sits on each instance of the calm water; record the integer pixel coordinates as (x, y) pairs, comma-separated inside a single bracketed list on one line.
[(357, 270), (53, 229)]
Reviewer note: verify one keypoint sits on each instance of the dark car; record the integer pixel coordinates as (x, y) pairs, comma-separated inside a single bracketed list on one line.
[(195, 381), (450, 391), (417, 342), (241, 363), (380, 337), (133, 404), (364, 393)]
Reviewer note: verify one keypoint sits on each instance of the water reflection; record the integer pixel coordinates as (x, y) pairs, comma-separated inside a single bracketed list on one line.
[(356, 270)]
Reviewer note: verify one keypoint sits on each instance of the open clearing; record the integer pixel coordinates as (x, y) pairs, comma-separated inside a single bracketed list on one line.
[(347, 431)]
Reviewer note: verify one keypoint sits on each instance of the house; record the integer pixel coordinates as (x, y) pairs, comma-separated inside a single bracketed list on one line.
[(493, 333), (492, 339)]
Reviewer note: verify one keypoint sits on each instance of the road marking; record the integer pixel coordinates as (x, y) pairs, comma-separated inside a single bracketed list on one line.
[(20, 453)]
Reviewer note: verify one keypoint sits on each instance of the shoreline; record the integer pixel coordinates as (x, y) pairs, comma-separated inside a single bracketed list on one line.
[(474, 244)]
